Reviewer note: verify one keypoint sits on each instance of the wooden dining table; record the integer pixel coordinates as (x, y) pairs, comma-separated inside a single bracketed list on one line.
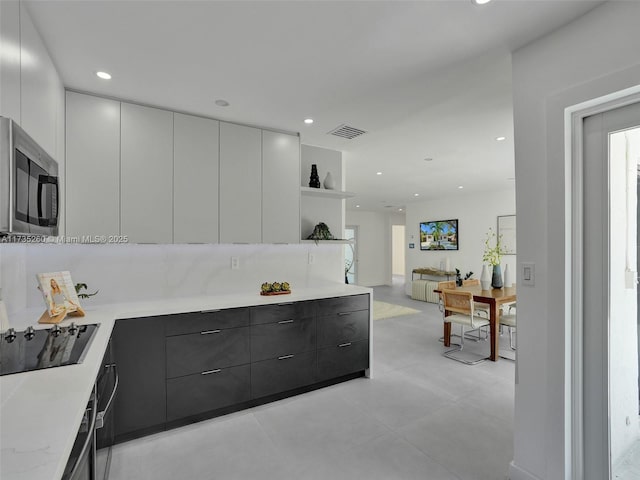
[(495, 297)]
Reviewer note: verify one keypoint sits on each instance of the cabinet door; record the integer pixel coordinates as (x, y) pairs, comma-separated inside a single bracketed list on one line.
[(93, 165), (195, 179), (146, 174), (240, 184), (280, 188), (139, 351)]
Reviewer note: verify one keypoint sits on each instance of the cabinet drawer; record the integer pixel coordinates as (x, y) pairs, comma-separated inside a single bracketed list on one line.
[(344, 359), (198, 352), (285, 337), (329, 306), (199, 393), (281, 311), (282, 374), (196, 322), (343, 327)]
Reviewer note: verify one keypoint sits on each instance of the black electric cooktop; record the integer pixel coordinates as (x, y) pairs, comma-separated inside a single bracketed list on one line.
[(32, 349)]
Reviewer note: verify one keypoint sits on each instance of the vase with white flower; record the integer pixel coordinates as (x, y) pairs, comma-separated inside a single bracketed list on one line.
[(493, 251)]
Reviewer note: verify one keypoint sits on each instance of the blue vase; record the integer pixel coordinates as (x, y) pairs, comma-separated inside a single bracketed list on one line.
[(496, 279)]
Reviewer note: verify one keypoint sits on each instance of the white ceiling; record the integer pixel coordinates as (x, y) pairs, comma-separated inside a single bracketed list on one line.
[(423, 78)]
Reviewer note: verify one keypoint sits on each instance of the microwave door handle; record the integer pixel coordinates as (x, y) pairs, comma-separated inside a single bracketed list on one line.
[(103, 413), (46, 180)]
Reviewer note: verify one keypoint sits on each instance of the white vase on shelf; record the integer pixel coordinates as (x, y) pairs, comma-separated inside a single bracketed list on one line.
[(329, 183), (485, 278)]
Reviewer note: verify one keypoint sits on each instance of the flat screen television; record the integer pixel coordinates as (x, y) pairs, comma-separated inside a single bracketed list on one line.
[(439, 235)]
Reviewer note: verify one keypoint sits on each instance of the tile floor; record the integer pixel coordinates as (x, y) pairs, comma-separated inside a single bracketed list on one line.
[(422, 417)]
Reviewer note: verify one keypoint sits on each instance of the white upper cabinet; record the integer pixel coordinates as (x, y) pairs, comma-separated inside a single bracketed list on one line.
[(280, 190), (195, 179), (10, 59), (93, 165), (146, 177), (241, 184)]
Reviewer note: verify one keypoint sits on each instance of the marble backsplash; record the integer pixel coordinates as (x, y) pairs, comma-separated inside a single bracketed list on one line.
[(125, 273)]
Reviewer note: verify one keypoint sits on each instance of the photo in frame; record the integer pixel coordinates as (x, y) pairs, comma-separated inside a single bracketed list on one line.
[(507, 230)]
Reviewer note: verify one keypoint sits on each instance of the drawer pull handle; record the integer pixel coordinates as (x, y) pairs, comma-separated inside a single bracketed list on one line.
[(209, 332), (215, 310), (342, 314), (344, 344), (285, 304), (284, 357), (285, 321), (209, 372)]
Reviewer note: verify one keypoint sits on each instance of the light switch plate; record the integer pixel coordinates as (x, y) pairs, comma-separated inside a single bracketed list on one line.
[(312, 258), (235, 263), (528, 273)]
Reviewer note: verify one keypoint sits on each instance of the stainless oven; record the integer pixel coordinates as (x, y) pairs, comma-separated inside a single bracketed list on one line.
[(28, 184), (90, 457)]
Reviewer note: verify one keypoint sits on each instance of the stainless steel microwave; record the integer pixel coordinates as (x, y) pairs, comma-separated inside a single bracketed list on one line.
[(28, 184)]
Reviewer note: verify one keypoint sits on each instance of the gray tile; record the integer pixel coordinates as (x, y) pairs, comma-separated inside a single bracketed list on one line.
[(205, 450), (465, 441), (317, 424), (394, 398)]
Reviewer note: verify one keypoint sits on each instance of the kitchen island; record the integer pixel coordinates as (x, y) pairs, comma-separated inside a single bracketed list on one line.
[(41, 411)]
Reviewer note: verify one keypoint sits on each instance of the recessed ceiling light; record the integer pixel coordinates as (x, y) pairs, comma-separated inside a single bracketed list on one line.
[(378, 173), (500, 139), (480, 2), (308, 121), (399, 209), (104, 75), (222, 103), (357, 206), (460, 186), (416, 194)]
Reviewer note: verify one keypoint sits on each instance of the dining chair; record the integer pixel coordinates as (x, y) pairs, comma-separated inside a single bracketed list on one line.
[(448, 285), (460, 305), (481, 308), (509, 320)]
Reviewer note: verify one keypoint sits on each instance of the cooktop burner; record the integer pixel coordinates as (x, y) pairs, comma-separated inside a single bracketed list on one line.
[(32, 349)]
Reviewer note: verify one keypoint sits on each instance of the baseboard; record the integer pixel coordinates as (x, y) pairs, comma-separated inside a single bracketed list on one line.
[(517, 473)]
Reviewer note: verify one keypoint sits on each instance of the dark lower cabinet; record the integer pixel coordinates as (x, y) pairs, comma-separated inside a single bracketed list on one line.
[(139, 352), (287, 372), (176, 369), (199, 393), (343, 359)]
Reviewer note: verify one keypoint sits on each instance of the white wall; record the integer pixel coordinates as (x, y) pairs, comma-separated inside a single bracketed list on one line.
[(475, 214), (593, 56), (125, 273)]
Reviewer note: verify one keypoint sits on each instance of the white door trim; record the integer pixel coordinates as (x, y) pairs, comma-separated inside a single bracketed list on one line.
[(574, 267)]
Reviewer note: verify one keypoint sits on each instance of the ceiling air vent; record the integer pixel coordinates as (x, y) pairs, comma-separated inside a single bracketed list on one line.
[(345, 131)]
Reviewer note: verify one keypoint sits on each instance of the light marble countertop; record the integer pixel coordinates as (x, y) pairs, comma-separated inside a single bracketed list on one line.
[(41, 411)]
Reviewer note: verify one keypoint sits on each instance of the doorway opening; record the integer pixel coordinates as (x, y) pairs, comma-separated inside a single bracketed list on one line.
[(351, 255), (610, 394), (397, 254)]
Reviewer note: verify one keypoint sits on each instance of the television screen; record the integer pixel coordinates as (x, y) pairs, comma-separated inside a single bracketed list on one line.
[(439, 235)]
